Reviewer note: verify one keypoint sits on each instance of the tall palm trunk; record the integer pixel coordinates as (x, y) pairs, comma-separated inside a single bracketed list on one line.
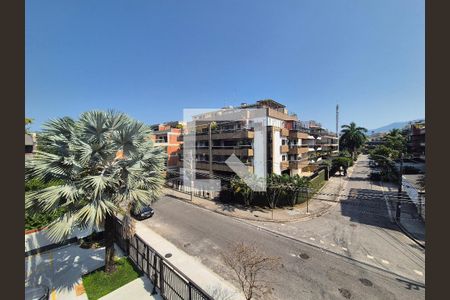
[(109, 244)]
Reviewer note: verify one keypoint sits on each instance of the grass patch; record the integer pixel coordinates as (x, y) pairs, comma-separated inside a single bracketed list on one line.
[(97, 284)]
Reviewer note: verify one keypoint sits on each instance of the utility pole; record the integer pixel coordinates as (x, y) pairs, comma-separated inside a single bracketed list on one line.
[(400, 182), (337, 125)]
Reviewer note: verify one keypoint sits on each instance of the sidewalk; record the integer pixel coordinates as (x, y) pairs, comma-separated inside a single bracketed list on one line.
[(320, 204), (140, 288), (191, 266), (410, 222)]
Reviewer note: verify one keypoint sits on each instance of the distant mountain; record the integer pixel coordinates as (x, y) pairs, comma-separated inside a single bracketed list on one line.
[(395, 125)]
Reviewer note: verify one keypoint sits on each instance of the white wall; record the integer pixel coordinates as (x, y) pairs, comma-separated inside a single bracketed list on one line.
[(276, 152), (40, 239)]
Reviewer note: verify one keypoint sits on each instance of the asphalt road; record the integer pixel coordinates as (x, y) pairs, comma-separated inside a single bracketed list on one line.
[(323, 275), (360, 227)]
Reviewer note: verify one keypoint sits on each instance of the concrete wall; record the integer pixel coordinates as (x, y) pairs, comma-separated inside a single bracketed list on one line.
[(40, 239), (276, 154)]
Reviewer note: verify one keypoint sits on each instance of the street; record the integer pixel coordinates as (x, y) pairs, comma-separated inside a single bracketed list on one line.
[(320, 274), (359, 227)]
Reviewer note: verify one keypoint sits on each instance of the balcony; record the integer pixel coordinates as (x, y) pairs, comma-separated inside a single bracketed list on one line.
[(284, 132), (294, 134), (219, 166), (217, 150), (298, 164), (284, 165), (226, 135), (298, 150), (284, 148)]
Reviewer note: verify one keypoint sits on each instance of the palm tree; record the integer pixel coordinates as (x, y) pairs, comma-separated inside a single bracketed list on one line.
[(395, 140), (352, 137), (106, 163)]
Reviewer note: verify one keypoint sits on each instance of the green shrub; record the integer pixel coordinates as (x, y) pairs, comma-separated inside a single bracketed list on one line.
[(35, 185), (40, 220)]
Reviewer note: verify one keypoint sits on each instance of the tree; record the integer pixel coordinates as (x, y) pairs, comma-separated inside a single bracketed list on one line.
[(352, 137), (273, 190), (298, 185), (338, 162), (241, 188), (28, 122), (106, 163), (396, 141), (248, 264)]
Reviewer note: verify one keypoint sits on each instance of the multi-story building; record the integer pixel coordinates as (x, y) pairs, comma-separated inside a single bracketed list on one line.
[(290, 144), (168, 135), (416, 139), (30, 145)]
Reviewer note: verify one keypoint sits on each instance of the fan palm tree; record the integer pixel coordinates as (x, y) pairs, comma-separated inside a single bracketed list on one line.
[(106, 163), (352, 137)]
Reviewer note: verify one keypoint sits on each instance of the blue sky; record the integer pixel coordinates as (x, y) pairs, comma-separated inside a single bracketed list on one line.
[(151, 58)]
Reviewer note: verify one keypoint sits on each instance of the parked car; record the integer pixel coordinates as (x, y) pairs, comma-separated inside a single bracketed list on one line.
[(38, 292), (144, 213), (375, 175)]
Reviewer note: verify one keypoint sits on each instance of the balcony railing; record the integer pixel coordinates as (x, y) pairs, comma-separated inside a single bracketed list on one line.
[(298, 164)]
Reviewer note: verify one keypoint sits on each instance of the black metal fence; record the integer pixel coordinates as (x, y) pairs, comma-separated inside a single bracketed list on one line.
[(171, 282)]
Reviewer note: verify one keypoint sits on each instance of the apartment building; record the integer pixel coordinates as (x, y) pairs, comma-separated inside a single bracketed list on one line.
[(168, 135), (291, 145), (30, 145), (416, 139)]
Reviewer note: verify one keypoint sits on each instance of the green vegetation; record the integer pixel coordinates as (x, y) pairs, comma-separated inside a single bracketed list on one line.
[(104, 164), (281, 190), (396, 142), (28, 122), (338, 162), (38, 220), (352, 138), (317, 182), (41, 220), (100, 283)]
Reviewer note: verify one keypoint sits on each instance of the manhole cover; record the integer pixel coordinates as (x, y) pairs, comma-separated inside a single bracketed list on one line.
[(304, 255), (168, 255), (366, 282), (346, 293)]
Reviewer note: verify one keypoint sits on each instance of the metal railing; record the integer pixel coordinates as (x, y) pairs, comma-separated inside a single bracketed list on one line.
[(171, 282)]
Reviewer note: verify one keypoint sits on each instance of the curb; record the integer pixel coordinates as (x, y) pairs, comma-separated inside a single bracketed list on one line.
[(402, 228), (35, 230), (300, 219), (406, 232)]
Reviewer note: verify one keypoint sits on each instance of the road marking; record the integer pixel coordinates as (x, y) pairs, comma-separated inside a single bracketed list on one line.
[(312, 239), (333, 245), (387, 202), (292, 254), (345, 249), (369, 256), (418, 273), (384, 261)]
